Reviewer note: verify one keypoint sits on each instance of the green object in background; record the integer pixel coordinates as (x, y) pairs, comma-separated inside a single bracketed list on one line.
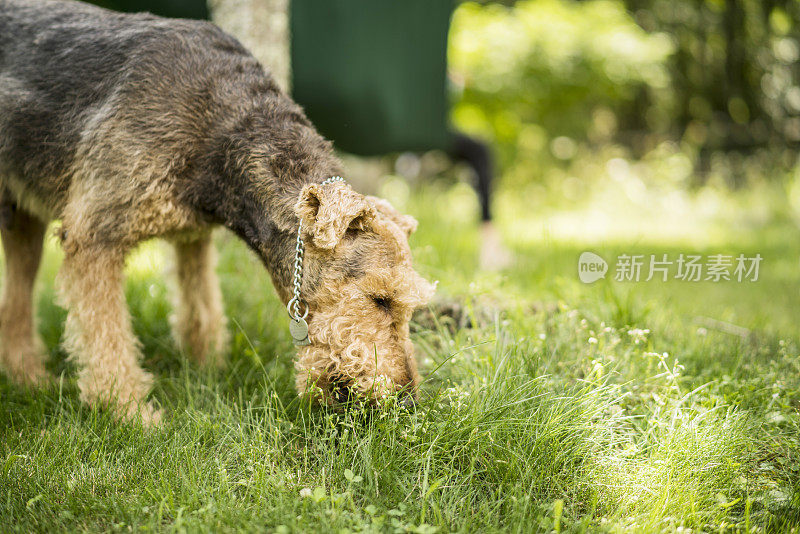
[(371, 74)]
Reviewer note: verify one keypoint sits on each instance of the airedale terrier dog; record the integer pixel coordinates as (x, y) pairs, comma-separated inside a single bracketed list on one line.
[(129, 127)]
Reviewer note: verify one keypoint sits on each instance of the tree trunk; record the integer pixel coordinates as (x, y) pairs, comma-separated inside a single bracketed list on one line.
[(262, 26)]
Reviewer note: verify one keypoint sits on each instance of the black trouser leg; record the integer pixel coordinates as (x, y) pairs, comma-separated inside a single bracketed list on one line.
[(479, 156)]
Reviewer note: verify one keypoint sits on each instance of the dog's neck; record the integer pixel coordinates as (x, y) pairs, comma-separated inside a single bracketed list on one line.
[(253, 185)]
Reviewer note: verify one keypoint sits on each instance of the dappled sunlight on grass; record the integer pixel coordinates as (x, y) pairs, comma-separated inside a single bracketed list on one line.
[(548, 241), (617, 213)]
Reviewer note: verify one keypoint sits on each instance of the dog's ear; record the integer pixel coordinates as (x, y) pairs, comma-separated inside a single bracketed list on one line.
[(407, 223), (328, 211)]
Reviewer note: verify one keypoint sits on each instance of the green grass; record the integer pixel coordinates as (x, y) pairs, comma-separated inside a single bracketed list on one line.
[(544, 408)]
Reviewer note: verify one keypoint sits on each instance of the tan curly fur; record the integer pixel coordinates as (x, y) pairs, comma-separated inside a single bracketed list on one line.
[(21, 350), (98, 335), (355, 342), (199, 322)]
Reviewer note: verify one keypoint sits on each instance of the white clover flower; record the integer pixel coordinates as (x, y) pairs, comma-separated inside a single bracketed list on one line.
[(542, 337), (593, 341), (305, 492)]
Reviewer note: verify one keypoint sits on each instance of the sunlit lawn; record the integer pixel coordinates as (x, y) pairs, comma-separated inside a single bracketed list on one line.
[(549, 404)]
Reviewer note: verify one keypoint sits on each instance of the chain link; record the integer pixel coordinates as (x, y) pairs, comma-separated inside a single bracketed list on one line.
[(293, 307)]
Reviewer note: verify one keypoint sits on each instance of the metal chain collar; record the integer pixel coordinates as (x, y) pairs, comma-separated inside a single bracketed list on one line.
[(297, 325)]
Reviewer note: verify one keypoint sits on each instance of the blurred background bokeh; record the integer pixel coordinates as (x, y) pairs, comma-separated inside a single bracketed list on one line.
[(655, 99)]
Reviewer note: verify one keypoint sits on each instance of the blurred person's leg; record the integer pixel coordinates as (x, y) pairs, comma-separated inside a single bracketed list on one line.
[(493, 254)]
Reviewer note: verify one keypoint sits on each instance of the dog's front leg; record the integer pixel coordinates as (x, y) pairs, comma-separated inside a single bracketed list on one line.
[(98, 333), (199, 321)]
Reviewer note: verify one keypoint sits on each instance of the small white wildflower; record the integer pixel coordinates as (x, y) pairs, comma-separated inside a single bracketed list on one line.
[(542, 337), (305, 492), (593, 341), (638, 334), (702, 331)]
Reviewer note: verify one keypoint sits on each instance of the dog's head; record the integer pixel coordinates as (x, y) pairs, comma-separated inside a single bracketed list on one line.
[(361, 290)]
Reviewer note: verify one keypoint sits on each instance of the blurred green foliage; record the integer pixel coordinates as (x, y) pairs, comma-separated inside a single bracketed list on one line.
[(544, 78), (542, 68)]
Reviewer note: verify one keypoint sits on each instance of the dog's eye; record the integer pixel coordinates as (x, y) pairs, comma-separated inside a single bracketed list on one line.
[(385, 303)]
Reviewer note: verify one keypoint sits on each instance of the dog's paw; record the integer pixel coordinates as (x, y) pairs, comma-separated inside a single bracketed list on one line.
[(39, 377), (151, 416), (26, 368), (144, 413)]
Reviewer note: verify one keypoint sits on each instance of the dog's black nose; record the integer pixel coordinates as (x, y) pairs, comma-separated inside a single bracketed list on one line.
[(342, 390), (409, 402)]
